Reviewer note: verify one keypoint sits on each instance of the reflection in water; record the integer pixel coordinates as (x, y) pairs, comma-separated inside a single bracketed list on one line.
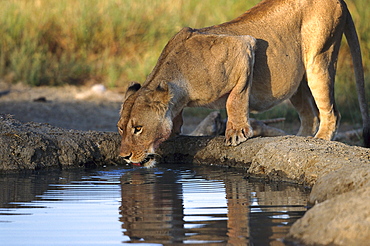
[(167, 205), (206, 205), (152, 206)]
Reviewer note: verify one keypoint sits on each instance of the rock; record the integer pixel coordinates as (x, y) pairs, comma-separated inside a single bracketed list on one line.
[(285, 158), (36, 146), (212, 125), (262, 129), (342, 220), (343, 180), (97, 90), (306, 159)]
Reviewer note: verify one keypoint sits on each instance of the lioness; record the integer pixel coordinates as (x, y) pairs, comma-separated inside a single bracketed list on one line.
[(292, 56)]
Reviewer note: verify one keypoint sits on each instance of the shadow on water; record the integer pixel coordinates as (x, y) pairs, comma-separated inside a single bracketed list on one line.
[(166, 205)]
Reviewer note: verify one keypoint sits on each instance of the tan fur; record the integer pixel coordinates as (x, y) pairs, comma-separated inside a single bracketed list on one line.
[(292, 56)]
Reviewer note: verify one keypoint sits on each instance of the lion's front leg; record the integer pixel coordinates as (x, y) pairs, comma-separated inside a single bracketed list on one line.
[(238, 128), (237, 134)]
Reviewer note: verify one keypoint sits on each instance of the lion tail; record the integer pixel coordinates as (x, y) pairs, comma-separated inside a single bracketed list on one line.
[(354, 45)]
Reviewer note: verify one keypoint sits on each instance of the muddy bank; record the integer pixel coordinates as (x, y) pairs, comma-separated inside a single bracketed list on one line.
[(38, 146), (341, 215), (286, 158), (341, 220)]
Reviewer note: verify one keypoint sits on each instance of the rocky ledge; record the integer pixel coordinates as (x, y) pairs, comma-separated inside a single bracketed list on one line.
[(37, 146), (338, 174)]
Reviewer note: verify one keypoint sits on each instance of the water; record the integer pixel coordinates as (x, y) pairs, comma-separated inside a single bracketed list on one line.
[(166, 205)]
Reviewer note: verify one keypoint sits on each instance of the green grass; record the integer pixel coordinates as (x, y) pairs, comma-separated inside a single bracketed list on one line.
[(49, 42)]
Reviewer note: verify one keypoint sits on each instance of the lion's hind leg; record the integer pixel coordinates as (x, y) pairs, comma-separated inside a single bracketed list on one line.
[(320, 78), (305, 105)]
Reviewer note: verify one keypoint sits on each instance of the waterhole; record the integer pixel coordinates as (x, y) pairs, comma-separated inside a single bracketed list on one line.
[(165, 205)]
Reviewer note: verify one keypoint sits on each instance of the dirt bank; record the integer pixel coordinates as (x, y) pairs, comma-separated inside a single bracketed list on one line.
[(286, 158), (39, 145)]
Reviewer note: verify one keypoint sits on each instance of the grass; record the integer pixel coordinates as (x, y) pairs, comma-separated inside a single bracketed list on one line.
[(114, 42)]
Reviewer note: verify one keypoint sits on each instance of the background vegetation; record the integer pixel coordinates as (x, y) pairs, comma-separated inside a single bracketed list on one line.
[(50, 42)]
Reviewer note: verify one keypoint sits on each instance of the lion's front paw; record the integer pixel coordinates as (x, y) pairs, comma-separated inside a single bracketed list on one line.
[(234, 137)]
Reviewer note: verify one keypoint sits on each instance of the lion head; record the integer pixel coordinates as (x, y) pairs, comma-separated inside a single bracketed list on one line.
[(144, 124)]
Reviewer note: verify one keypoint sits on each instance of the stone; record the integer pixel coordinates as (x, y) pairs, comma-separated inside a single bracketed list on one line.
[(40, 146), (343, 180), (342, 220)]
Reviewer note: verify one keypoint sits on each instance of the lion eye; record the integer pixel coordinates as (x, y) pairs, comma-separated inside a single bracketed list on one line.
[(137, 129)]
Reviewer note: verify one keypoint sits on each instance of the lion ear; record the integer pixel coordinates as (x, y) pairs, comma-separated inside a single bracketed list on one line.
[(162, 87), (134, 87), (160, 97), (162, 93)]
